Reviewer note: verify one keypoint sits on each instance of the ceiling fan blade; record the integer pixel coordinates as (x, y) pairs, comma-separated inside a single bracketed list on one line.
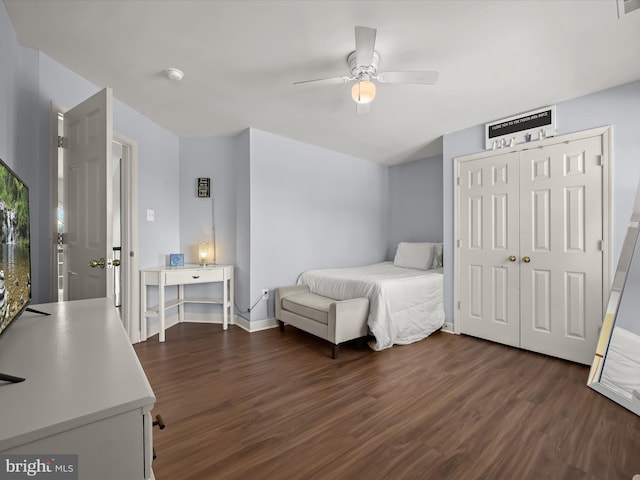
[(327, 81), (363, 108), (428, 77), (365, 43)]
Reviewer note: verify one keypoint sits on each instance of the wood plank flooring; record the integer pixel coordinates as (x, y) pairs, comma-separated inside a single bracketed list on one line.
[(272, 405)]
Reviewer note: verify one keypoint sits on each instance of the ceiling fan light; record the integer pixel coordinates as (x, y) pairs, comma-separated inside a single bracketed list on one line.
[(363, 92)]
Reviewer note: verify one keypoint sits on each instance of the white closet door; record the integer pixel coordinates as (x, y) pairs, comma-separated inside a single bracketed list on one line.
[(561, 234), (489, 299)]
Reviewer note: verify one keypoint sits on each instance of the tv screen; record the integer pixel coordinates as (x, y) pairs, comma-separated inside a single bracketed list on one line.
[(15, 260)]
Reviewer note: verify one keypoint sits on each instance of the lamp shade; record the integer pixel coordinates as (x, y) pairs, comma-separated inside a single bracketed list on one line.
[(203, 252), (363, 92)]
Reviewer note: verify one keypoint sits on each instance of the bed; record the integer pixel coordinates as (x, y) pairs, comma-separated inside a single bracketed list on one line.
[(405, 304)]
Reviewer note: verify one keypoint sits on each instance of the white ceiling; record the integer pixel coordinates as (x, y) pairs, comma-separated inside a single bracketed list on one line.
[(240, 58)]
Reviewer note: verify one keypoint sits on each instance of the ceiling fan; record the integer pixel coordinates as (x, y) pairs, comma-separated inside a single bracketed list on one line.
[(363, 64)]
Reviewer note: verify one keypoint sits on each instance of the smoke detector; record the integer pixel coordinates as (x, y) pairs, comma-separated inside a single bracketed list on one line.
[(174, 74)]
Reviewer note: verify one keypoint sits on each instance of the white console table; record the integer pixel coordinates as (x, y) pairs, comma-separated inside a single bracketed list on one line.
[(181, 276), (85, 392)]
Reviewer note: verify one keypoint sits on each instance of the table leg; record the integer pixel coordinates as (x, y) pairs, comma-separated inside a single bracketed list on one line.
[(181, 304), (231, 296), (143, 306), (161, 308), (225, 303)]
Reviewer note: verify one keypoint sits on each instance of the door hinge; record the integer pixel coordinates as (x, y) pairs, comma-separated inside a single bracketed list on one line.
[(63, 142), (600, 160), (601, 245), (457, 180), (458, 243), (459, 305)]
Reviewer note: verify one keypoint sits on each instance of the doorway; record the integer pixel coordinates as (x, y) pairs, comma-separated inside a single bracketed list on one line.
[(123, 221)]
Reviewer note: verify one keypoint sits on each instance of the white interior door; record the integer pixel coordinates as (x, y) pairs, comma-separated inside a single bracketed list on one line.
[(88, 191), (489, 302), (561, 249)]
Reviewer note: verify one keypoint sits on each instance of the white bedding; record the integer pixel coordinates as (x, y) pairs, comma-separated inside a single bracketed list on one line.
[(405, 305)]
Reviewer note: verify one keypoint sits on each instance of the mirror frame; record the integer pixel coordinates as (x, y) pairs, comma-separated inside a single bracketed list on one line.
[(625, 263)]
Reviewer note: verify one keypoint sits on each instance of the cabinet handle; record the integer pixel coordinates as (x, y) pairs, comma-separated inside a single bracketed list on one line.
[(195, 276), (159, 422)]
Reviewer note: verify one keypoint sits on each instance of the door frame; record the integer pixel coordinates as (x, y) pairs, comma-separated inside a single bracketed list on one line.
[(607, 159), (129, 219)]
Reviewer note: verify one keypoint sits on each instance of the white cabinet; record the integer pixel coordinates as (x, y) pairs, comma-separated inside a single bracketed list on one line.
[(187, 275), (85, 392)]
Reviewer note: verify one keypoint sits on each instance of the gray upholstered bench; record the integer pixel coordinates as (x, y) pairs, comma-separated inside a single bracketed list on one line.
[(337, 321)]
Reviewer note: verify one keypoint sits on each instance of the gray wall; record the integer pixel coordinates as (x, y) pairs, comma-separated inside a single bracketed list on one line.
[(281, 207), (415, 203), (627, 316), (10, 60), (214, 158), (243, 220), (19, 136), (618, 106), (311, 208)]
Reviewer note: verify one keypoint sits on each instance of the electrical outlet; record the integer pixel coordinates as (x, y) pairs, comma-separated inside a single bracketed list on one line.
[(265, 293)]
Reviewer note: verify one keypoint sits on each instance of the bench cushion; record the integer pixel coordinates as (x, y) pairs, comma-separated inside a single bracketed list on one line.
[(309, 305)]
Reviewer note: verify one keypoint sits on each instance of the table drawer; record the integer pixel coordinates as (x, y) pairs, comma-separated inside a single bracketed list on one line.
[(184, 277)]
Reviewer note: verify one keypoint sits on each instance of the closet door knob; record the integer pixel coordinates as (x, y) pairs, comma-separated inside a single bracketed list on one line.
[(526, 259), (512, 258), (97, 263)]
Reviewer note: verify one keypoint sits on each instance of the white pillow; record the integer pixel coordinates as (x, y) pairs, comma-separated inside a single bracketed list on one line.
[(437, 257), (418, 255)]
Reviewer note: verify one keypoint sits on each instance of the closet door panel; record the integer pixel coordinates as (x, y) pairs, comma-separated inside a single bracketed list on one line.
[(488, 216), (560, 234)]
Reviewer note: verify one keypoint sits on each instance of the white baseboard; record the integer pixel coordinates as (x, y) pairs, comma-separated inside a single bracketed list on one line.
[(256, 325), (448, 328), (216, 318)]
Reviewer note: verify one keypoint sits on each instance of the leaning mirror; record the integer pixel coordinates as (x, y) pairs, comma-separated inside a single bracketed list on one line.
[(615, 372)]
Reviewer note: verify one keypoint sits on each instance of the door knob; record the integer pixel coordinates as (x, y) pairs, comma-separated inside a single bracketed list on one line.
[(526, 259), (116, 263), (97, 263), (512, 258)]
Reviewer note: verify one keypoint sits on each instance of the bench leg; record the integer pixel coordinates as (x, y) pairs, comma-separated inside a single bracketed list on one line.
[(336, 351), (281, 325)]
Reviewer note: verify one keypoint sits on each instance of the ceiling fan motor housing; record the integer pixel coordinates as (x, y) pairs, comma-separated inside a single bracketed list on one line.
[(363, 72)]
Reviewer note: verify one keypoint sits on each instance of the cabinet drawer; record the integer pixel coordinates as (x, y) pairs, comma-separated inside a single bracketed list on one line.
[(184, 277)]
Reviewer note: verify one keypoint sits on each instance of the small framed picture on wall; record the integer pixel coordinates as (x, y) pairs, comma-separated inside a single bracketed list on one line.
[(204, 187)]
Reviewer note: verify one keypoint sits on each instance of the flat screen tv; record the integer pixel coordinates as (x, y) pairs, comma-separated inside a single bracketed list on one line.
[(15, 259)]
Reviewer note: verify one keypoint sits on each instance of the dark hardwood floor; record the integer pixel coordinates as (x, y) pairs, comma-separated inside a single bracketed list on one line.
[(272, 405)]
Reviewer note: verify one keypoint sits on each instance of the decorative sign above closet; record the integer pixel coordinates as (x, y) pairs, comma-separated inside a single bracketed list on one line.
[(523, 128)]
